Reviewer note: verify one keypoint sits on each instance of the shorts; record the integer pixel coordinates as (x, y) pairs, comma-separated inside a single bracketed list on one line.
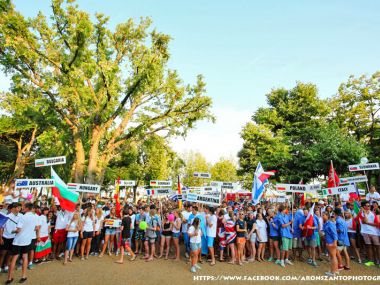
[(371, 239), (33, 244), (340, 248), (240, 240), (175, 235), (297, 243), (7, 244), (59, 236), (87, 235), (151, 240), (195, 246), (20, 249), (110, 231), (140, 235), (352, 235), (210, 241), (275, 238), (309, 242), (286, 243), (318, 239), (253, 238)]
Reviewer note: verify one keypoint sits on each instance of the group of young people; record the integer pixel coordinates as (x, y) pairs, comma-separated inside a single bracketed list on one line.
[(236, 232)]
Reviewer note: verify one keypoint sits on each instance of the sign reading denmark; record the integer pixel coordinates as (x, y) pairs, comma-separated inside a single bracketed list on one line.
[(50, 161)]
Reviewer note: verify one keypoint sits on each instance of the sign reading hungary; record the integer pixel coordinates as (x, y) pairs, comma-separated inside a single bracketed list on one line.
[(32, 183), (50, 161), (87, 188)]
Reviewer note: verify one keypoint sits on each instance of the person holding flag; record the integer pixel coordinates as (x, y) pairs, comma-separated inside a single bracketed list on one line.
[(310, 232)]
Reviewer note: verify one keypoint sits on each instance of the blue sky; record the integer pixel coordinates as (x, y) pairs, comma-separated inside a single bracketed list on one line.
[(245, 48)]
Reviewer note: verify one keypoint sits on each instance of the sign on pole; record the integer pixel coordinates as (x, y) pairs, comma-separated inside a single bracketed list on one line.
[(363, 167), (292, 187), (127, 183), (159, 191), (339, 190), (32, 183), (208, 199), (202, 174), (160, 183), (354, 179), (50, 161), (223, 185), (86, 188)]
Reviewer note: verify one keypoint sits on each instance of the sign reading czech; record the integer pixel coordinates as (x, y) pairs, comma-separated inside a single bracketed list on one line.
[(86, 188), (50, 161), (339, 190), (202, 174), (160, 183), (32, 183), (362, 167)]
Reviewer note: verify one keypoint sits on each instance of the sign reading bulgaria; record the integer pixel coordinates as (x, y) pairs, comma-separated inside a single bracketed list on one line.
[(50, 161), (362, 167), (339, 190), (297, 187), (160, 183), (354, 179), (202, 174), (87, 188), (31, 183)]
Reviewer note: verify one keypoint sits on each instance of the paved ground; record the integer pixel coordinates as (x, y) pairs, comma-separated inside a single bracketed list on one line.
[(104, 271)]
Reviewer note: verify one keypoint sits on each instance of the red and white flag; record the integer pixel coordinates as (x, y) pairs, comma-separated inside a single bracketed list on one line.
[(309, 222), (333, 177)]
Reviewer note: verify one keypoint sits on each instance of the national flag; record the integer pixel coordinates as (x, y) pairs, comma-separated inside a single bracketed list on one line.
[(333, 180), (43, 248), (179, 193), (3, 219), (356, 208), (116, 197), (22, 183), (67, 199), (309, 222), (302, 195), (40, 163), (259, 181)]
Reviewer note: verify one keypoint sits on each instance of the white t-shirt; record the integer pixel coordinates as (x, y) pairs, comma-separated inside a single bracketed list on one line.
[(10, 226), (349, 226), (198, 237), (367, 229), (371, 197), (37, 218), (27, 223), (98, 223), (88, 224), (185, 215), (262, 228), (178, 223), (72, 226), (44, 230), (211, 231), (63, 218)]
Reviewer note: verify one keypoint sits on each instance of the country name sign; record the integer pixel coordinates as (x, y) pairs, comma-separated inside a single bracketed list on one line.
[(160, 183), (362, 167), (159, 191), (127, 183), (86, 188), (297, 187), (354, 179), (202, 174), (31, 183), (223, 185), (339, 190), (50, 161), (203, 199)]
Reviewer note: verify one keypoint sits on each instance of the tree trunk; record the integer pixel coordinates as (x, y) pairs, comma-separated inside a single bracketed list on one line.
[(93, 169), (134, 193), (79, 157)]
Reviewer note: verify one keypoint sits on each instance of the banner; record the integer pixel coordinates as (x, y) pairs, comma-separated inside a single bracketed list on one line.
[(234, 196), (85, 188), (32, 183), (127, 183), (354, 179), (159, 191), (112, 223), (297, 188), (160, 183), (339, 190), (362, 167), (223, 185), (202, 174), (50, 161)]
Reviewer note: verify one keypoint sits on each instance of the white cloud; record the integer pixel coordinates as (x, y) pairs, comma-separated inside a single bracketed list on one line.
[(221, 139)]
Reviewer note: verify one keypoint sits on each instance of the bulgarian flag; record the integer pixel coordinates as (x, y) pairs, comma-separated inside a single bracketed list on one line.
[(67, 199), (309, 222), (43, 248)]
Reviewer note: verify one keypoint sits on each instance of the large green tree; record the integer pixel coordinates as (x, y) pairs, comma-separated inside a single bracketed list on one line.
[(109, 87), (194, 162), (224, 170)]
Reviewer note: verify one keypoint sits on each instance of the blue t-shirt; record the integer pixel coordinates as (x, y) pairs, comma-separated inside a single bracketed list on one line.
[(274, 229), (299, 220), (285, 232), (342, 230), (331, 234)]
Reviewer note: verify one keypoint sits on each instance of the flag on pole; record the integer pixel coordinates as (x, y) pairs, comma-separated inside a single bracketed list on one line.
[(333, 180), (117, 200), (260, 179), (67, 199), (309, 222), (356, 208), (179, 192)]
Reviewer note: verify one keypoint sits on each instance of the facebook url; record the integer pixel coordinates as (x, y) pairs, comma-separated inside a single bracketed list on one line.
[(283, 278)]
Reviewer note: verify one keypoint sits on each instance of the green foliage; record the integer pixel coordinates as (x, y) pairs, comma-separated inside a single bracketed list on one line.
[(224, 170), (194, 162)]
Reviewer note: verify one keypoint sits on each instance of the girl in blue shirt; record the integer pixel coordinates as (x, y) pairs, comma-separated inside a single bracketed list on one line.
[(331, 238), (274, 236)]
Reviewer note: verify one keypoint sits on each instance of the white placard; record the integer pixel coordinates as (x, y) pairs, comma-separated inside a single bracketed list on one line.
[(208, 200), (362, 167), (206, 189), (126, 183), (41, 162), (292, 187), (223, 185), (160, 183), (32, 183), (159, 191), (339, 190), (85, 188), (354, 179), (314, 187), (202, 175)]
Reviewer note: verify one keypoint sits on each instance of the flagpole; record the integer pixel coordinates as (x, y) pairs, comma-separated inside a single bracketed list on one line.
[(292, 211), (334, 172), (366, 182)]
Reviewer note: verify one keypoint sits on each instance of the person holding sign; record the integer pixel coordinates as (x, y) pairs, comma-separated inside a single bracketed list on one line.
[(110, 233)]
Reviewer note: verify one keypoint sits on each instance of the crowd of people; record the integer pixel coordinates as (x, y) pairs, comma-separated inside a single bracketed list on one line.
[(38, 230)]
